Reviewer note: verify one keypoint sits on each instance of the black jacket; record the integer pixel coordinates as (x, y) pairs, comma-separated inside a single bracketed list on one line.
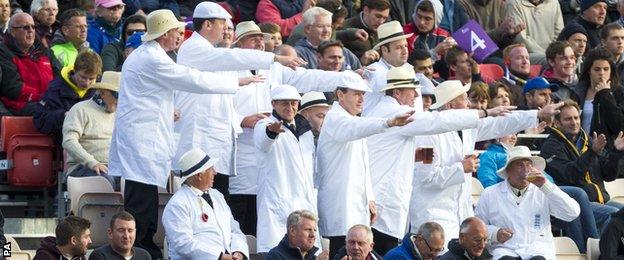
[(283, 251), (456, 252), (608, 117), (343, 252), (10, 80), (612, 239), (568, 166), (48, 251), (593, 31)]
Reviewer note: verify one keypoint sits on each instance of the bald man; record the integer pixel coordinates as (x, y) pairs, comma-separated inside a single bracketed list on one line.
[(472, 240)]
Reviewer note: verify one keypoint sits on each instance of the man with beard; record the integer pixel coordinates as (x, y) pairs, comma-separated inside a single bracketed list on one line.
[(592, 17), (71, 242)]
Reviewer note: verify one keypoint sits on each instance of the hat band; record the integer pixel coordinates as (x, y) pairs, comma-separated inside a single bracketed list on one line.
[(391, 36), (195, 167), (402, 81), (312, 103)]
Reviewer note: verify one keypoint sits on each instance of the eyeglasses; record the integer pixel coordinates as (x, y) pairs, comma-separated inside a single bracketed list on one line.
[(131, 32), (433, 250), (27, 27)]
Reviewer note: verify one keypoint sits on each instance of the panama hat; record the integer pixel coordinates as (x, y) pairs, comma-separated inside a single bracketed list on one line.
[(401, 77), (447, 91), (313, 99), (521, 152), (285, 92), (389, 32), (194, 162), (248, 28), (159, 22), (110, 81)]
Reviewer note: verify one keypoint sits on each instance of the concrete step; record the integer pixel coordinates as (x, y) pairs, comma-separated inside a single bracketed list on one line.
[(28, 232)]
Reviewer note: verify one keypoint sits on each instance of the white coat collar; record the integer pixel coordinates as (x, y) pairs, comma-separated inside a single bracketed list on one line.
[(195, 191), (339, 109), (196, 36)]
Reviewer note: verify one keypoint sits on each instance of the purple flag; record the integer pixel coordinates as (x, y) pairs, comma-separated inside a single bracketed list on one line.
[(472, 38)]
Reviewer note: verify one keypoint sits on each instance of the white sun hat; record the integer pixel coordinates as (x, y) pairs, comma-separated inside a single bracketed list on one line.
[(447, 91), (194, 162), (159, 22)]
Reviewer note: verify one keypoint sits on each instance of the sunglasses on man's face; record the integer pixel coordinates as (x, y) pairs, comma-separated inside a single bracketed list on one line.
[(131, 32)]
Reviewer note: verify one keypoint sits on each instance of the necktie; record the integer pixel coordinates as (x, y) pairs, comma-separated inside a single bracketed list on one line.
[(461, 137), (207, 198)]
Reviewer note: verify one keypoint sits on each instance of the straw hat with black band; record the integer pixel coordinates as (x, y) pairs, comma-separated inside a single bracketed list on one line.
[(249, 28), (389, 32), (194, 162), (401, 77)]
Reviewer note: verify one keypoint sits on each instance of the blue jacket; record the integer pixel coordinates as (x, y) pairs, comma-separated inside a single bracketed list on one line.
[(493, 159), (308, 53), (284, 251), (99, 34), (405, 251)]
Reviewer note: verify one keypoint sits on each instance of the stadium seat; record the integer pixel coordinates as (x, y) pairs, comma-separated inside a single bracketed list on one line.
[(163, 198), (566, 249), (491, 72), (20, 255), (536, 69), (12, 125), (593, 248), (616, 190), (477, 189), (253, 249), (77, 186)]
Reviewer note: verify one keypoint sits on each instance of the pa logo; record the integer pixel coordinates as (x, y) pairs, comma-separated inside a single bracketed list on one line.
[(6, 249)]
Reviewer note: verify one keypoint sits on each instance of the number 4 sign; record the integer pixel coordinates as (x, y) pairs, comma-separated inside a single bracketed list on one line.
[(472, 38)]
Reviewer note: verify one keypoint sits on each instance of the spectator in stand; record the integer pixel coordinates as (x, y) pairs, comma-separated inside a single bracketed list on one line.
[(72, 241), (286, 14), (71, 87), (318, 28), (562, 63), (276, 37), (359, 244), (330, 57), (121, 234), (517, 70), (105, 26), (576, 36), (612, 38), (5, 15), (473, 238), (314, 107), (422, 62), (519, 209), (424, 245), (71, 38), (113, 53), (585, 165), (478, 95), (592, 17), (461, 66), (426, 91), (499, 95), (601, 92), (544, 22), (88, 128), (132, 43), (538, 93), (612, 239), (44, 12), (298, 243), (373, 14), (33, 62), (427, 35), (228, 35)]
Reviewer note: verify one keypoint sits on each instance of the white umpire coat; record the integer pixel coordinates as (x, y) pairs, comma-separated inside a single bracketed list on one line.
[(343, 175), (285, 184), (377, 79), (529, 220), (256, 98), (208, 121), (143, 145), (190, 237), (441, 190), (392, 158)]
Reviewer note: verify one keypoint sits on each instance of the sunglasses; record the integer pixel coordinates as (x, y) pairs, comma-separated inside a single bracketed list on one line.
[(25, 27), (131, 32)]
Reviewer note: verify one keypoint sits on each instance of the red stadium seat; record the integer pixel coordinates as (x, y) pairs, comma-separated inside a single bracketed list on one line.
[(536, 69), (491, 72)]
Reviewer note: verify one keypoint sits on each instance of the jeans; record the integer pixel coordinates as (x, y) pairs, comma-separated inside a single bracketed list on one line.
[(603, 212), (584, 225)]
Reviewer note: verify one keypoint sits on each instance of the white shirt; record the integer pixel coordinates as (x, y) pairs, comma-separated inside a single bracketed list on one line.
[(377, 79), (143, 144)]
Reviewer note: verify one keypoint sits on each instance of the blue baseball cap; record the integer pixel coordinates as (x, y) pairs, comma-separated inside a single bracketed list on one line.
[(539, 83)]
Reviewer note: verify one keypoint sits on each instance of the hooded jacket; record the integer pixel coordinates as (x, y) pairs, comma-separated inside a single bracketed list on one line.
[(426, 40), (48, 251), (612, 238), (570, 165), (100, 33), (64, 51), (405, 251)]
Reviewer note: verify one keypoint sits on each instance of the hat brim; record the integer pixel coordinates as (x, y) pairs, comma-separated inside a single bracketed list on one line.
[(456, 93), (111, 4), (149, 36), (324, 104), (538, 162), (266, 36), (393, 86), (210, 163), (396, 38), (104, 85)]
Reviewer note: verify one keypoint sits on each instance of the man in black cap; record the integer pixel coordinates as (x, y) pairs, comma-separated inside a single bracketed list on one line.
[(576, 36), (592, 17)]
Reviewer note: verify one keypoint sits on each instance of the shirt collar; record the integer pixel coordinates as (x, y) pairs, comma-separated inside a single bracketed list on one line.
[(517, 191), (195, 191)]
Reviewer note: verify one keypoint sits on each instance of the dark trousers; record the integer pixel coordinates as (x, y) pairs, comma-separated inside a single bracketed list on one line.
[(384, 242), (335, 243), (243, 208), (222, 184), (538, 257), (141, 200)]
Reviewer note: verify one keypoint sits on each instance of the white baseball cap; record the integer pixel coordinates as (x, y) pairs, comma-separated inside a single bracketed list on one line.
[(285, 92), (210, 10)]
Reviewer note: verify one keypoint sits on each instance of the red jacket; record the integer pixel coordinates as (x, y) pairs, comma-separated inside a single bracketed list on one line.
[(434, 37), (35, 70), (268, 12)]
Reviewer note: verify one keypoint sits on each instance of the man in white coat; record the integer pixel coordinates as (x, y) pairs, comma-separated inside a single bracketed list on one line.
[(285, 155), (252, 103), (442, 191), (197, 220), (142, 145), (345, 195), (517, 210), (392, 175), (208, 121), (393, 49)]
